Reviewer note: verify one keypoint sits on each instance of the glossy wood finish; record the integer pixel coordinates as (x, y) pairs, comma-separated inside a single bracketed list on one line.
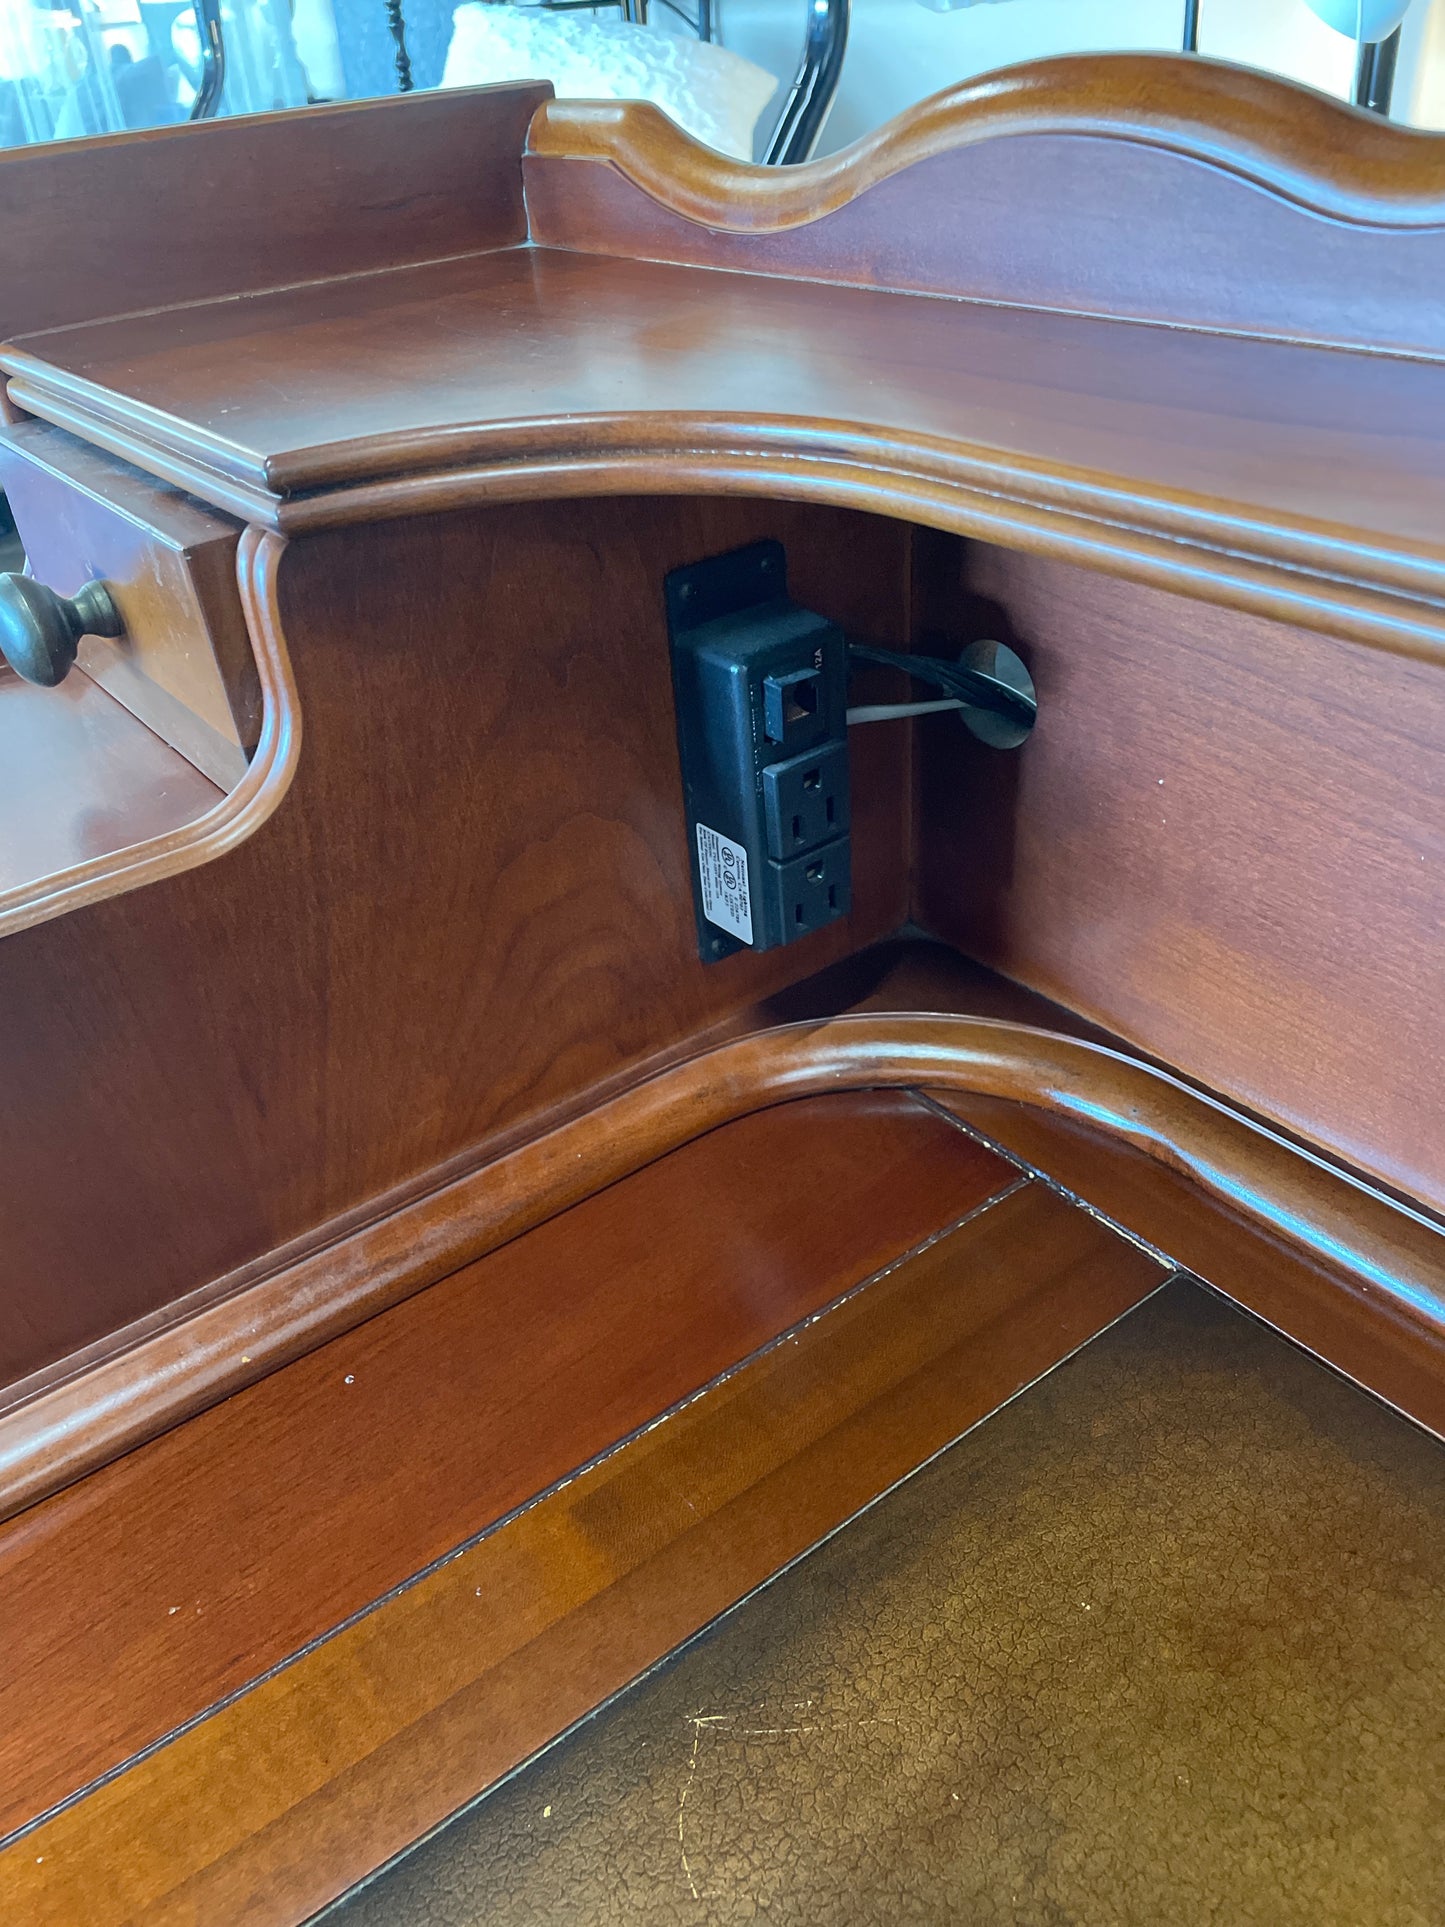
[(1348, 1322), (1225, 843), (373, 1736), (1247, 471), (185, 664), (386, 182), (1032, 177), (81, 778), (469, 914), (1235, 469), (285, 1510)]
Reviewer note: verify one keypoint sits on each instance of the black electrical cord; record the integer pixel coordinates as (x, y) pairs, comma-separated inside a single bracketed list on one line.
[(968, 686)]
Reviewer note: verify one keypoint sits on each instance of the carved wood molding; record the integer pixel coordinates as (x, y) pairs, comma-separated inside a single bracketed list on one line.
[(1390, 1258), (1142, 187), (1390, 599), (1314, 151)]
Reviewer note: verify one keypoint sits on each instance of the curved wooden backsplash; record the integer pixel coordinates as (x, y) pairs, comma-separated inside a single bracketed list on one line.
[(1241, 121)]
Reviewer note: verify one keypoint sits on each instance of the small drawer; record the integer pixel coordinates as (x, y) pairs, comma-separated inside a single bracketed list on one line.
[(184, 666)]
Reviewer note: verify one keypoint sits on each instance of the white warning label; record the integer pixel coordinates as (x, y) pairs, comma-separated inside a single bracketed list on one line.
[(722, 868)]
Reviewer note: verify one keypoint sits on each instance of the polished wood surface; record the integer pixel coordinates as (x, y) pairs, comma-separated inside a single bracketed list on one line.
[(1223, 466), (185, 664), (468, 914), (1033, 176), (280, 1513), (1243, 121), (240, 810), (281, 1798), (259, 201), (1225, 842), (80, 777)]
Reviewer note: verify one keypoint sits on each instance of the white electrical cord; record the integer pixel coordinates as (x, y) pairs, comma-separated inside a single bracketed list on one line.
[(892, 712)]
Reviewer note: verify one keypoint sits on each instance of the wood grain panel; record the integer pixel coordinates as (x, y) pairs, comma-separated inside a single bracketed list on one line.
[(228, 1544), (185, 664), (1265, 475), (146, 220), (259, 792), (1225, 842), (1337, 1317), (471, 910), (279, 1800), (1243, 123)]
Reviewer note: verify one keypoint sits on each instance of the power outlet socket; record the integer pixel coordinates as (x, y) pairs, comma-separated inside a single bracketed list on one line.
[(812, 890), (761, 689), (805, 800)]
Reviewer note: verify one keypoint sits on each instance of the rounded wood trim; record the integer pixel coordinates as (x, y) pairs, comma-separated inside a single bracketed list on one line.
[(1189, 549), (237, 816), (1317, 577), (1303, 146), (1391, 1257)]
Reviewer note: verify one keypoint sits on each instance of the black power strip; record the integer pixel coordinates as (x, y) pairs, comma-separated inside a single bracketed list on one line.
[(761, 688)]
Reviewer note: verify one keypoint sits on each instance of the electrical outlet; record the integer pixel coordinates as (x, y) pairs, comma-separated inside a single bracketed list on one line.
[(805, 800), (812, 890), (761, 689)]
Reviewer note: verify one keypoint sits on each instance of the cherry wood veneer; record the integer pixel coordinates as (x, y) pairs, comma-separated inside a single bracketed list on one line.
[(1225, 843), (1033, 178), (1257, 472), (185, 665), (1349, 1322), (86, 779), (150, 219), (1357, 1239)]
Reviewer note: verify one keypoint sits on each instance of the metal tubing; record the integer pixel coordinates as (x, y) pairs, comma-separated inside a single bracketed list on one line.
[(1375, 74), (802, 118)]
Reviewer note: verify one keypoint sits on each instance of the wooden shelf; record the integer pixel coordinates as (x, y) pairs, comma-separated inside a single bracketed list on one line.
[(402, 373), (533, 370)]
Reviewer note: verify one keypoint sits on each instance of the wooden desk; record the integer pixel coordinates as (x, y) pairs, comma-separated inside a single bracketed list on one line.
[(366, 944)]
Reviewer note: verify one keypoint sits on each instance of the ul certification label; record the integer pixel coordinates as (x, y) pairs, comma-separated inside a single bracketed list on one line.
[(722, 868)]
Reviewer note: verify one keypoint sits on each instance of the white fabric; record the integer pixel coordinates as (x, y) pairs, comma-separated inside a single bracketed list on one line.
[(716, 95)]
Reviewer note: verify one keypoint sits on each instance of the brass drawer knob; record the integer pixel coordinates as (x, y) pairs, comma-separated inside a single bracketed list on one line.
[(40, 630)]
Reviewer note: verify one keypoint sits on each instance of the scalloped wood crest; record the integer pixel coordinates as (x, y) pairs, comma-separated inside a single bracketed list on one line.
[(1152, 187)]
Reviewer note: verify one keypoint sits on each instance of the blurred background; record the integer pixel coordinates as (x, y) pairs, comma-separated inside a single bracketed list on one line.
[(730, 69)]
